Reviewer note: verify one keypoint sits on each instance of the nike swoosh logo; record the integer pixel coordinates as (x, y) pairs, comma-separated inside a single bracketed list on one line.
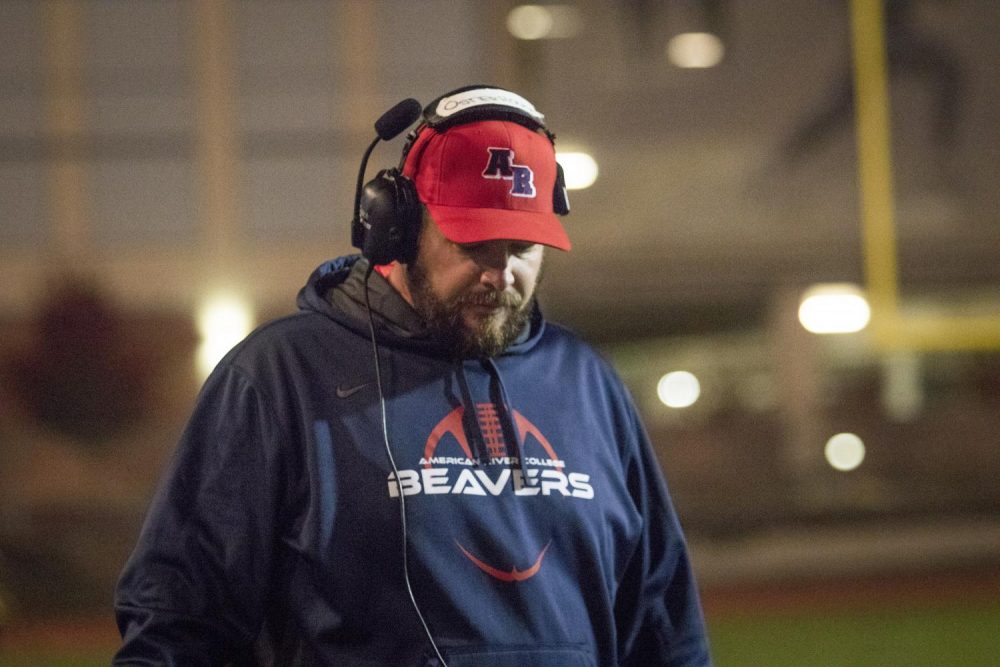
[(344, 392), (514, 574)]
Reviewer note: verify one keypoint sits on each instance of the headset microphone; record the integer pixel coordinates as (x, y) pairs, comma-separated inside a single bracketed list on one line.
[(397, 119), (388, 126)]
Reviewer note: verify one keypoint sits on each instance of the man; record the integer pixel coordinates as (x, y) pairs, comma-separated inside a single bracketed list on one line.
[(416, 468)]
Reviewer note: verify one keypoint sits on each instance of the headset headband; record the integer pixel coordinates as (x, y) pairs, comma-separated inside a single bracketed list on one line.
[(470, 104)]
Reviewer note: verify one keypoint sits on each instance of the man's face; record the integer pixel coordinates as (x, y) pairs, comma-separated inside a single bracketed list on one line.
[(477, 296)]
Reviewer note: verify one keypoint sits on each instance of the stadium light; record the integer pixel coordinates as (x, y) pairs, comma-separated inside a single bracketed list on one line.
[(223, 321), (834, 308), (531, 22), (580, 169), (678, 389), (845, 452), (695, 50)]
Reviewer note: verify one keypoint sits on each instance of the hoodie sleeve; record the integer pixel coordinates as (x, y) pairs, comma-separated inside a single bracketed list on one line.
[(193, 591), (657, 609)]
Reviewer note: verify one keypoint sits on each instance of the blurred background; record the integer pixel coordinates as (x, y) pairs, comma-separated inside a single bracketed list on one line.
[(806, 307)]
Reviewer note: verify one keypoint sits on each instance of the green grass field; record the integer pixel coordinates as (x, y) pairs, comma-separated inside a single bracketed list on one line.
[(43, 659), (939, 637), (942, 636)]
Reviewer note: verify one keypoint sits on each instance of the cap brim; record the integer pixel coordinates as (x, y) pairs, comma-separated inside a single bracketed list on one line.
[(473, 225)]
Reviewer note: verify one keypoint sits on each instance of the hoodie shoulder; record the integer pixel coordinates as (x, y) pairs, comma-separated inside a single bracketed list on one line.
[(289, 333), (330, 273), (570, 343)]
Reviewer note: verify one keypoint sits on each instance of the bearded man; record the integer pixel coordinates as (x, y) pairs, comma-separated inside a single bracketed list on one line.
[(417, 468)]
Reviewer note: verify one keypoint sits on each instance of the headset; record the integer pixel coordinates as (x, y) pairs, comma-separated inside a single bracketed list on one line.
[(388, 216), (387, 210)]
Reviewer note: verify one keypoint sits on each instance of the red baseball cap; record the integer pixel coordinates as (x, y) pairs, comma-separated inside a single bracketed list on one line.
[(487, 180)]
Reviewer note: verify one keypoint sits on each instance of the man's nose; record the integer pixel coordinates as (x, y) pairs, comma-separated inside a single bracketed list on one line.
[(496, 266)]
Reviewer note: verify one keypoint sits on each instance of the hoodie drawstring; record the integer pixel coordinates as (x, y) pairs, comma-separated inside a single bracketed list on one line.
[(470, 418), (499, 397), (471, 422)]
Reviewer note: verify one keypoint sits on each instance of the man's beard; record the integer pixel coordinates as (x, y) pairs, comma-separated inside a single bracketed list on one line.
[(443, 317)]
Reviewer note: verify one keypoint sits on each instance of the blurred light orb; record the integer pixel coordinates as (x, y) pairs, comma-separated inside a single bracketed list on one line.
[(531, 22), (695, 50), (845, 451), (678, 389), (834, 308), (580, 170), (223, 320)]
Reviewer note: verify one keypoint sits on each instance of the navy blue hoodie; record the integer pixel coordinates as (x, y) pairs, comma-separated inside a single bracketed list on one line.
[(538, 527)]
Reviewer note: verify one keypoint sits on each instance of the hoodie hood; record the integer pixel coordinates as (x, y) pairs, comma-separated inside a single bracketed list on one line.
[(336, 289)]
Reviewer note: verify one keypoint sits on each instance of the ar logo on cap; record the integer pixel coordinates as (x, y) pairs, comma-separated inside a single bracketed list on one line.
[(501, 165)]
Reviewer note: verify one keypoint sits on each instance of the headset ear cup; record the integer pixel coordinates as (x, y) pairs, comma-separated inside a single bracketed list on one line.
[(411, 218), (560, 195), (388, 207)]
